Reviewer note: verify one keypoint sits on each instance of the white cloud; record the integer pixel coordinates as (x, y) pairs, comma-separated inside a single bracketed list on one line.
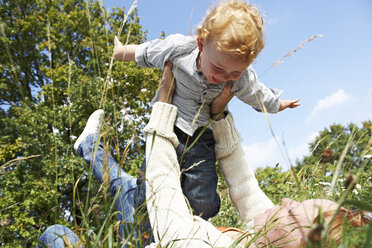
[(268, 153), (261, 154), (336, 99), (298, 152)]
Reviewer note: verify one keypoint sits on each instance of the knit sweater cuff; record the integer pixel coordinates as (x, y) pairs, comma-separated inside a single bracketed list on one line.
[(226, 136), (162, 120)]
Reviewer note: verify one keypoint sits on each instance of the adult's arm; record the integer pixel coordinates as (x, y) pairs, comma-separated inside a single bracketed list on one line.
[(169, 214), (244, 190)]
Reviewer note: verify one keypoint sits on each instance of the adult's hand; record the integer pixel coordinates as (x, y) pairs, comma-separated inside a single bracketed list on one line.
[(168, 84), (220, 102)]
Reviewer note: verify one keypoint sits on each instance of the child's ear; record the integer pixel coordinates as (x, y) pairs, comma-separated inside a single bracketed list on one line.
[(200, 44)]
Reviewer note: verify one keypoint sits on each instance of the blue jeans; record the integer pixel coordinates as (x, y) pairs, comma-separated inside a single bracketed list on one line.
[(129, 198), (198, 166), (199, 177), (52, 237)]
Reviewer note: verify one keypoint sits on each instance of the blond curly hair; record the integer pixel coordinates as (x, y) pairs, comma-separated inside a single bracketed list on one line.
[(235, 27)]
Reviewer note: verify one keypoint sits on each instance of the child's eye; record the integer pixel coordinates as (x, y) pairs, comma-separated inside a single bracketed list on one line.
[(217, 68)]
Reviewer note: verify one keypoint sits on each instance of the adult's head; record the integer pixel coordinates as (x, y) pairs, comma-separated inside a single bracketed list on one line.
[(294, 223), (231, 31)]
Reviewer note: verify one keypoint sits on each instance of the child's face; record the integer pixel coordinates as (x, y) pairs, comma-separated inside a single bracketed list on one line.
[(218, 66)]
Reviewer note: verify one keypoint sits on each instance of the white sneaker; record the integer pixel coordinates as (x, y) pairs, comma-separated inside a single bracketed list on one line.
[(92, 127)]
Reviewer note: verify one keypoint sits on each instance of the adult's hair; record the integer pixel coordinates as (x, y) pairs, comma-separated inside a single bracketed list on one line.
[(355, 218)]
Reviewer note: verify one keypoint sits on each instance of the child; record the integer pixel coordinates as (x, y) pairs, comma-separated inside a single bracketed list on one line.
[(227, 42)]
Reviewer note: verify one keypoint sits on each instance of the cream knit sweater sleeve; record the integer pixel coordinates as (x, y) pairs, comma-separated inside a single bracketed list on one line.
[(245, 193), (172, 222)]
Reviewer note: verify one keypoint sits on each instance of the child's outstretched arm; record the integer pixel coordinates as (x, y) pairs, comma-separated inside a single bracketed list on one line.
[(124, 53), (283, 104)]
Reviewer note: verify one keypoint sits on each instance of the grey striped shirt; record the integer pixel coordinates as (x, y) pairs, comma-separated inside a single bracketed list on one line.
[(194, 94)]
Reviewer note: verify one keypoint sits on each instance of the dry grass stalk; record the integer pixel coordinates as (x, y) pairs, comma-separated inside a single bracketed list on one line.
[(14, 161), (291, 52)]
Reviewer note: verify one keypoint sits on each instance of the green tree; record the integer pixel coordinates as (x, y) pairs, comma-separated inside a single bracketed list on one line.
[(339, 151), (327, 149), (55, 70)]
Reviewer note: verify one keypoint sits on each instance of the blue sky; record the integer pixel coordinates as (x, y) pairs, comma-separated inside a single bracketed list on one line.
[(332, 75)]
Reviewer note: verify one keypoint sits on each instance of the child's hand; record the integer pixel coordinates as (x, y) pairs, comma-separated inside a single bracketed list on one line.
[(168, 84), (117, 42), (219, 103), (117, 48), (289, 104)]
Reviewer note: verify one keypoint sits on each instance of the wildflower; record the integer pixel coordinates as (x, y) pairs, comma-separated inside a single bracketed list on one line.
[(96, 208), (315, 234), (351, 181), (5, 222), (55, 130), (326, 155)]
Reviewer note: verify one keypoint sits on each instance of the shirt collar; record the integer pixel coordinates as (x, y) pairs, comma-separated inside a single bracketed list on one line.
[(197, 73)]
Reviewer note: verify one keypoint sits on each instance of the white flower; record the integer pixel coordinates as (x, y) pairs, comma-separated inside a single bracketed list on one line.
[(358, 186), (129, 118), (143, 90), (355, 191), (325, 183), (55, 130), (73, 137)]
